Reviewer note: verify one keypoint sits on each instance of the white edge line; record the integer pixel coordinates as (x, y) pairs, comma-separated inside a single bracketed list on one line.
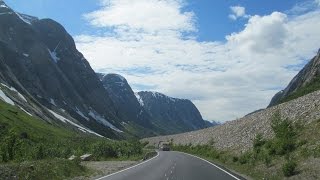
[(211, 164), (128, 167)]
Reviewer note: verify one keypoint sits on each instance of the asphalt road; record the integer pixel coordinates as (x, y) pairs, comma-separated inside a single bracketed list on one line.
[(172, 166)]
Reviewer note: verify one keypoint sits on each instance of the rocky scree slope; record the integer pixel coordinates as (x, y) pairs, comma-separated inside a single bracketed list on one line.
[(238, 135), (306, 81), (39, 59)]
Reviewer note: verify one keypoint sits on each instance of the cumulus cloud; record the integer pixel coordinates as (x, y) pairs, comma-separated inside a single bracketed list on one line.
[(225, 80), (262, 33), (238, 12), (146, 15)]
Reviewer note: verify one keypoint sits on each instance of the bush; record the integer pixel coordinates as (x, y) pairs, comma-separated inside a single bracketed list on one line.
[(285, 135), (289, 168)]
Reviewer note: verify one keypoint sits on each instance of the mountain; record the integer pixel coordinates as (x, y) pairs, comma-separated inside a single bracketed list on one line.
[(128, 108), (171, 114), (43, 73), (151, 112), (306, 81), (39, 59), (211, 123)]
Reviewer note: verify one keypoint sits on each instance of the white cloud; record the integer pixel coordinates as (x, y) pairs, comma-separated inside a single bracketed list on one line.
[(225, 80), (146, 15), (238, 12), (262, 33), (317, 2)]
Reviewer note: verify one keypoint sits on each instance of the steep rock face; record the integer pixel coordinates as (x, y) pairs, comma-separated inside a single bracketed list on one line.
[(128, 108), (307, 75), (39, 59), (171, 114)]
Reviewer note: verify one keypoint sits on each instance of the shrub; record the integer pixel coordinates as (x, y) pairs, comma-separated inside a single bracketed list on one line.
[(289, 168), (285, 135)]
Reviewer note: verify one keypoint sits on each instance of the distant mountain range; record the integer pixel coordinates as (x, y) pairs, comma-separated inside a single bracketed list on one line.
[(43, 73)]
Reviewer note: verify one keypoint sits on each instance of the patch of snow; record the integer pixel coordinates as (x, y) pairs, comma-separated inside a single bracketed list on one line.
[(65, 120), (81, 114), (99, 118), (14, 90), (5, 98), (23, 19), (39, 96), (25, 55), (25, 111), (4, 6), (6, 13), (52, 102), (54, 56), (139, 99)]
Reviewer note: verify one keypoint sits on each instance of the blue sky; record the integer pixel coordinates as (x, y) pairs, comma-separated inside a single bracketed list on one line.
[(212, 16), (229, 57)]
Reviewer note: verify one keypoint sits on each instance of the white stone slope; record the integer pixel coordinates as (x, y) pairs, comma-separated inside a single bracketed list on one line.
[(237, 135)]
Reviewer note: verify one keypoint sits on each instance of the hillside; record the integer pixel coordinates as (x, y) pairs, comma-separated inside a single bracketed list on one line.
[(172, 115), (42, 72), (150, 113), (306, 81)]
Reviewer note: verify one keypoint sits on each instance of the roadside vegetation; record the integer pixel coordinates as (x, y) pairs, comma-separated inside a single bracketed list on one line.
[(31, 148), (287, 154)]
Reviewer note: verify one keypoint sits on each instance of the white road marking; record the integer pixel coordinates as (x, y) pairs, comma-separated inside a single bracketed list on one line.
[(128, 168), (211, 164)]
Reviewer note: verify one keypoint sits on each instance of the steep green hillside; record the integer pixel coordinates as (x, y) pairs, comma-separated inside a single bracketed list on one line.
[(26, 141), (312, 86)]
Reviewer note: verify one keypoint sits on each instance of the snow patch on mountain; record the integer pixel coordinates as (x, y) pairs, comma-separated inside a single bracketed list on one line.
[(81, 114), (4, 6), (100, 119), (139, 99), (25, 111), (65, 120), (23, 19), (52, 102), (5, 98), (14, 90), (54, 56)]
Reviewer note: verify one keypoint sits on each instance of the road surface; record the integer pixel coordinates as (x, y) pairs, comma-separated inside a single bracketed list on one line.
[(172, 166)]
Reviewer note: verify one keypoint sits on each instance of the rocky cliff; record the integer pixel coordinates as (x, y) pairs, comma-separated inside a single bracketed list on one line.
[(171, 114), (40, 60), (306, 81)]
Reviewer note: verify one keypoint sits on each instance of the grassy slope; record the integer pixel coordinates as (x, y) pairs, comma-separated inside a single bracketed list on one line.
[(267, 164), (314, 85), (31, 148)]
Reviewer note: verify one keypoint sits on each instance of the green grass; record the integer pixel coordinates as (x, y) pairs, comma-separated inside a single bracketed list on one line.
[(312, 86), (26, 139), (276, 158)]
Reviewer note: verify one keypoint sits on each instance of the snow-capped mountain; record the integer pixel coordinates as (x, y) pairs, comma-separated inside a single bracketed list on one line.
[(43, 74), (40, 60), (171, 114)]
